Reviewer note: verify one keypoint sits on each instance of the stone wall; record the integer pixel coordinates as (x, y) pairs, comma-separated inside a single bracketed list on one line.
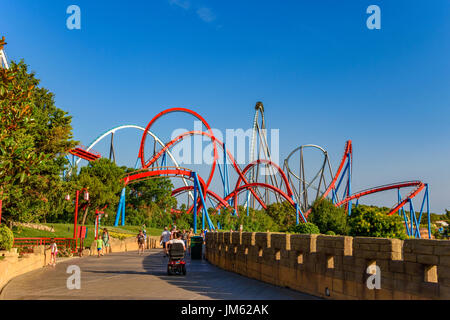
[(13, 265), (336, 266)]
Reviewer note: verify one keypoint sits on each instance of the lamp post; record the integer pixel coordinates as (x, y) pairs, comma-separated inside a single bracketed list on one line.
[(98, 215), (85, 197)]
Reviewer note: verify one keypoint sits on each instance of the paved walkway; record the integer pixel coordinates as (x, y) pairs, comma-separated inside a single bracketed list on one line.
[(130, 276)]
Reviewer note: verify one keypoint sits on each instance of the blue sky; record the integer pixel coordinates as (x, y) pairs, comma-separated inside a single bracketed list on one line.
[(323, 76)]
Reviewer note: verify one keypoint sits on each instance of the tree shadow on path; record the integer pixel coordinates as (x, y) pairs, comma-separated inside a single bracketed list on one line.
[(209, 281)]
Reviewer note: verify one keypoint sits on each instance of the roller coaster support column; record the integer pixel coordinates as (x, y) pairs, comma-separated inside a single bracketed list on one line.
[(414, 222), (163, 160), (349, 184), (298, 213), (402, 210), (195, 207), (205, 215), (121, 209), (428, 210), (224, 174)]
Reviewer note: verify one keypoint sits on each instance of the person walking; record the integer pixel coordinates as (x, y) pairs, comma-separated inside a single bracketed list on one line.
[(140, 240), (145, 233), (173, 233), (105, 238), (189, 236), (184, 237), (165, 237), (99, 247), (53, 253)]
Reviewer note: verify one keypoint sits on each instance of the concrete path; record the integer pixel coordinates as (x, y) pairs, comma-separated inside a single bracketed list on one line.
[(130, 276)]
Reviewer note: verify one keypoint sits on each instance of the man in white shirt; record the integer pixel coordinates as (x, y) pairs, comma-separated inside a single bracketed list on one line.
[(165, 237), (177, 240)]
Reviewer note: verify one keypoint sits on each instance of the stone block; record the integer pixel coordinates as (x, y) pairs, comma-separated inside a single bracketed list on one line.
[(413, 268), (427, 259), (279, 240), (396, 266), (248, 238), (262, 239), (303, 242), (443, 272)]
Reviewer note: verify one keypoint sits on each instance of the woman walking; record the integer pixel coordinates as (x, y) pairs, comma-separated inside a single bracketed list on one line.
[(141, 241), (105, 238)]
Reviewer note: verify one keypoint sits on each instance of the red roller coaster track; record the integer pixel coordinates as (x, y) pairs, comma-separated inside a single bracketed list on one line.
[(80, 152)]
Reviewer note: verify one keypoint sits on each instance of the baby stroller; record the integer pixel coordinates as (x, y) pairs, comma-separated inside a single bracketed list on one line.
[(176, 265)]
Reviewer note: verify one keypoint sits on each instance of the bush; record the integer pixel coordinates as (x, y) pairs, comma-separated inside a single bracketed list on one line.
[(325, 215), (6, 237), (330, 233), (374, 222), (306, 228), (120, 236)]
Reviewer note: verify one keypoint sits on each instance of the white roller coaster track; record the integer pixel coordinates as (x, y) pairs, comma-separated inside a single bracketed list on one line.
[(3, 60), (113, 130)]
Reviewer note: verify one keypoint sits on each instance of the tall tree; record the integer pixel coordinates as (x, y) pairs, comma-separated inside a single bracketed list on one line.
[(34, 137)]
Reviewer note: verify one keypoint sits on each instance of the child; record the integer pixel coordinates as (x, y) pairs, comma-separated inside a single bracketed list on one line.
[(99, 246), (54, 252)]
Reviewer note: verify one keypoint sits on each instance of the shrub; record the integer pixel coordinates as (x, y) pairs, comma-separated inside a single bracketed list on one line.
[(6, 237), (374, 222), (328, 217), (282, 214), (120, 236), (330, 233), (306, 228)]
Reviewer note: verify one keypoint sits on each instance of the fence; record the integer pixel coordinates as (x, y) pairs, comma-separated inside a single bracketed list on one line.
[(28, 243)]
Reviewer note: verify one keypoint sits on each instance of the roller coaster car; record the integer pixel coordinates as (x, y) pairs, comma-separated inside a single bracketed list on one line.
[(176, 265)]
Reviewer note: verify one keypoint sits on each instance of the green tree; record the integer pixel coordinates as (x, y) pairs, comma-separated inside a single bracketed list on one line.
[(327, 217), (152, 201), (283, 214), (256, 221), (34, 138), (6, 237), (374, 222), (103, 179)]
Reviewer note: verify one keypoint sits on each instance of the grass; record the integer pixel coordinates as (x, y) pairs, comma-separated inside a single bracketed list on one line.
[(63, 230)]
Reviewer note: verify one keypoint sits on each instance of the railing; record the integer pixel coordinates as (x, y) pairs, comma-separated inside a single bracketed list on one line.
[(25, 243)]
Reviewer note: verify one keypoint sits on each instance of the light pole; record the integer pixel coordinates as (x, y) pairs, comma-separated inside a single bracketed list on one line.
[(98, 215), (85, 197)]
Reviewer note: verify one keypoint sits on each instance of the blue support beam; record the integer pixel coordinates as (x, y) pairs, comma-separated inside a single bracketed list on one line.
[(121, 209)]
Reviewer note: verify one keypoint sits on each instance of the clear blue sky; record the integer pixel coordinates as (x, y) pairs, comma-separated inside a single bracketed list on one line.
[(322, 75)]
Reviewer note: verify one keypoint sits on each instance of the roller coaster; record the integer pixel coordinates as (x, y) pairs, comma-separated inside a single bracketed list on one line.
[(262, 181)]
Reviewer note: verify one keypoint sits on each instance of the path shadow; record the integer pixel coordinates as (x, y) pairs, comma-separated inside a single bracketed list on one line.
[(210, 281)]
